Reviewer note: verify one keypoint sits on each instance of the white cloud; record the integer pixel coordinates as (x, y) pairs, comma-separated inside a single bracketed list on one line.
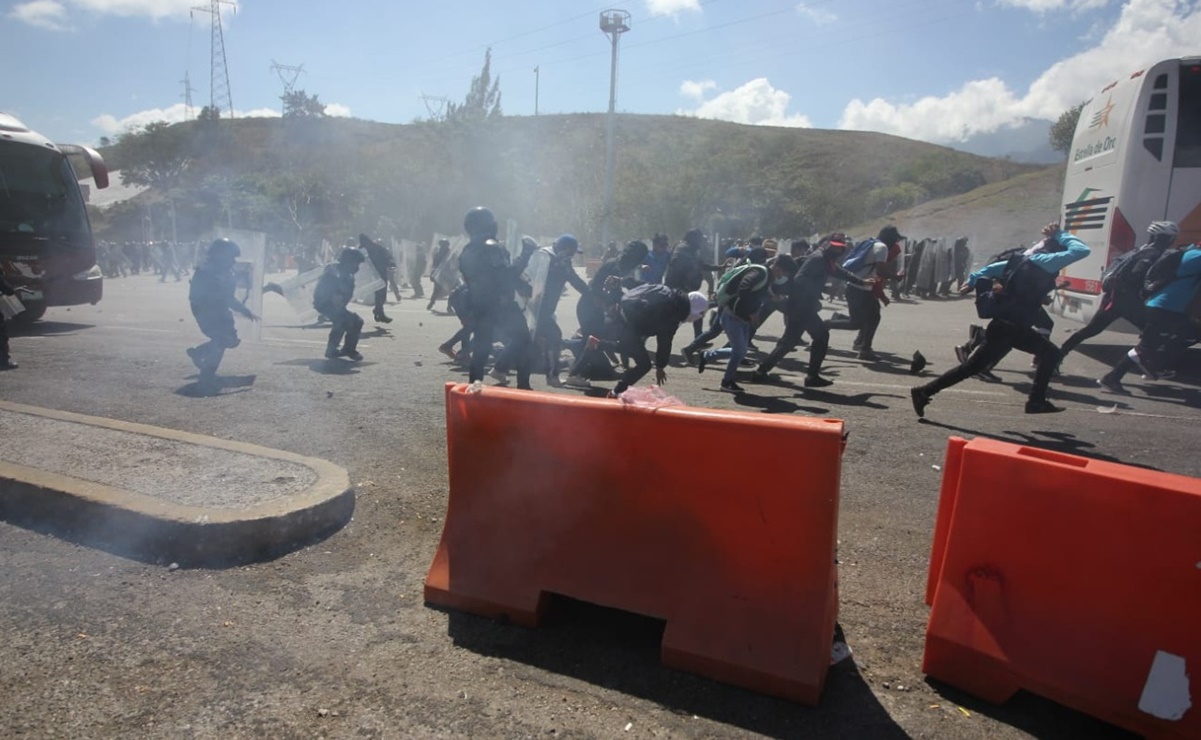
[(1145, 32), (696, 89), (110, 124), (756, 102), (56, 14), (337, 110), (671, 7), (47, 14), (819, 16)]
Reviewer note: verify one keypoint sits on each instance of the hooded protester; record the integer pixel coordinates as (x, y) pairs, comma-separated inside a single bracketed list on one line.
[(331, 298), (1011, 295), (604, 291), (802, 307), (687, 270), (864, 301), (211, 296), (650, 311)]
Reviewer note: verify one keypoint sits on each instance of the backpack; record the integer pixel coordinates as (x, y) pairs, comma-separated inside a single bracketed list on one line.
[(725, 293), (643, 300), (684, 271), (1163, 272), (1127, 273), (1024, 285), (856, 259)]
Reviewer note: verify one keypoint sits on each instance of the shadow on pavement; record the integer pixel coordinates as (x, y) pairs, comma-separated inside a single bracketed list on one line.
[(1064, 442), (218, 387), (1035, 715), (44, 328), (620, 651), (326, 366), (776, 405)]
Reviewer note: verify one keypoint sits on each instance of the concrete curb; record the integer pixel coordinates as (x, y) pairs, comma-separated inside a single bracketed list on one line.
[(145, 528)]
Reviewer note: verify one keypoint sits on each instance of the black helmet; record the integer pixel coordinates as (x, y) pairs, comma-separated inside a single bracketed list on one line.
[(352, 256), (224, 247), (479, 222)]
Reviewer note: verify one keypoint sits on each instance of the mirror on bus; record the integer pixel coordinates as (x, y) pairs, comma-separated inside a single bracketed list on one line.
[(86, 162)]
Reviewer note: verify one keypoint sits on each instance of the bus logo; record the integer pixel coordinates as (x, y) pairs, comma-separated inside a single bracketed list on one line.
[(1101, 117), (1086, 213)]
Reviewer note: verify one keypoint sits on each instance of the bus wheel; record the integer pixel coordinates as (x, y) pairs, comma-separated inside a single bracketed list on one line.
[(32, 312)]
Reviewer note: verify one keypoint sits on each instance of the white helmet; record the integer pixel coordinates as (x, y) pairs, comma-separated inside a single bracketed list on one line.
[(1163, 228)]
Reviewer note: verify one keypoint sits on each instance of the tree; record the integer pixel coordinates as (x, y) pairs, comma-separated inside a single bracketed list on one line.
[(299, 104), (209, 113), (156, 155), (1064, 129), (483, 99)]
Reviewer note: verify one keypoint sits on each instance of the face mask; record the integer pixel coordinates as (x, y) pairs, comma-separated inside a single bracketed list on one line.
[(781, 280)]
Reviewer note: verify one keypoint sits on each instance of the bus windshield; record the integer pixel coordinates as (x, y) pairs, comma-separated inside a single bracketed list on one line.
[(39, 195)]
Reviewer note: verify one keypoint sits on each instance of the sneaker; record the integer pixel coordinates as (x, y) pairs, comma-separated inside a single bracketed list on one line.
[(500, 376), (351, 354), (554, 381), (817, 381), (921, 399), (700, 362), (731, 387), (961, 353), (332, 354), (577, 381), (988, 377), (194, 354), (447, 350), (1113, 385), (856, 345), (689, 355), (867, 354), (382, 318), (836, 316), (1041, 406), (752, 347)]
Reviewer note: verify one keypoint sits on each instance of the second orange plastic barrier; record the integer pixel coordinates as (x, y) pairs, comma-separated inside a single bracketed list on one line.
[(720, 523), (1076, 579)]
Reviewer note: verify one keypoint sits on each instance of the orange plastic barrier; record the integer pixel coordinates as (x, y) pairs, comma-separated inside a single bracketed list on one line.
[(1075, 579), (720, 523)]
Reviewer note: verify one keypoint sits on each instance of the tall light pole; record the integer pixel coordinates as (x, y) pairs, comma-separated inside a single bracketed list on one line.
[(613, 23), (535, 91)]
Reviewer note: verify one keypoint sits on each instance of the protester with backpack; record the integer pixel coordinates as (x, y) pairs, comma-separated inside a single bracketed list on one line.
[(687, 270), (801, 311), (1173, 283), (1010, 294), (735, 257), (1122, 285), (649, 310), (740, 296), (869, 258)]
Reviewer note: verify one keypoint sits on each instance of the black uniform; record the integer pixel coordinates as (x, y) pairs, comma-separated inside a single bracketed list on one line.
[(652, 310), (491, 289), (331, 296), (211, 295), (384, 264)]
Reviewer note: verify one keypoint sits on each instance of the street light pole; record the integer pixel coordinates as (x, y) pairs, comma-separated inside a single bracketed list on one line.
[(613, 23), (536, 76)]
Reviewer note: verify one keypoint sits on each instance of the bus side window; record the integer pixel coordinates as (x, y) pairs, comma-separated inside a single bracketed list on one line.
[(1188, 119)]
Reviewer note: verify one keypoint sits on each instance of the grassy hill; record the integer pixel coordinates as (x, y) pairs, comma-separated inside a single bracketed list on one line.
[(302, 180)]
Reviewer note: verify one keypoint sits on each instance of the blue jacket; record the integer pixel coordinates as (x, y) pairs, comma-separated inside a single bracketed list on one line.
[(1052, 262), (654, 266), (1177, 294)]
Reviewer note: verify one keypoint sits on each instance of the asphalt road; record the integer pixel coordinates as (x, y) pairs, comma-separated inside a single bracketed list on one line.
[(333, 640)]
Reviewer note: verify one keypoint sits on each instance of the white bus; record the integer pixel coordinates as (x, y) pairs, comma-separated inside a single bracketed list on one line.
[(1135, 158)]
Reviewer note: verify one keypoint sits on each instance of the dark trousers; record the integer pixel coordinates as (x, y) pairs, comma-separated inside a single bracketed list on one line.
[(509, 321), (463, 336), (381, 297), (865, 316), (346, 324), (436, 296), (1165, 337), (1000, 337), (633, 345), (807, 323), (218, 325), (415, 284), (708, 335), (1112, 308)]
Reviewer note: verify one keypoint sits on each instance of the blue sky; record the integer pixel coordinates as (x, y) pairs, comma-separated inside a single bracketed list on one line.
[(935, 70)]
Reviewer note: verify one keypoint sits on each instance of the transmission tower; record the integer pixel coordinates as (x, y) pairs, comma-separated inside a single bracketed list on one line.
[(219, 96), (436, 105), (287, 75), (187, 96)]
